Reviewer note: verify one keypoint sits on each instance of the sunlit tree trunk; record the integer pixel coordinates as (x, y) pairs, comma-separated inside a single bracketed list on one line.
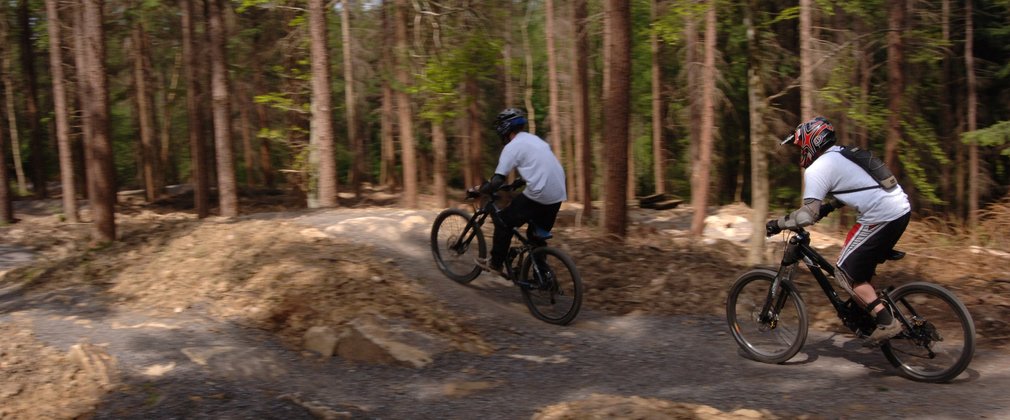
[(198, 157), (555, 135), (12, 121), (439, 145), (758, 133), (617, 101), (658, 157), (531, 112), (144, 113), (475, 147), (355, 140), (702, 166), (6, 199), (969, 68), (226, 187), (37, 146), (895, 81), (580, 93), (406, 123), (98, 150), (60, 109), (806, 60), (323, 164)]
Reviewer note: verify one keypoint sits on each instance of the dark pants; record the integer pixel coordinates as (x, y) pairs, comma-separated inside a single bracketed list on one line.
[(866, 246), (522, 210)]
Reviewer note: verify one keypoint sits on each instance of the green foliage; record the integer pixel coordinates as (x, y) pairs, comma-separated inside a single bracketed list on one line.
[(477, 57), (995, 136), (670, 25), (919, 148)]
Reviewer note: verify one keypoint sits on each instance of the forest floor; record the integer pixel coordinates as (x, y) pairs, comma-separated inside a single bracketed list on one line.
[(208, 318)]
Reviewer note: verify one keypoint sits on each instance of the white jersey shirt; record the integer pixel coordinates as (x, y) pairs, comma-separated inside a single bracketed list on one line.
[(832, 172), (532, 156)]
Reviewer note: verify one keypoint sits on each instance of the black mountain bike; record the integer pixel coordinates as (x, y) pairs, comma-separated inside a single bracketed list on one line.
[(768, 318), (547, 277)]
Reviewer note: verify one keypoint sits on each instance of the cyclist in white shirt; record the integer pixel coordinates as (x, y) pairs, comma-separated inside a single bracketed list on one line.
[(883, 215), (545, 184)]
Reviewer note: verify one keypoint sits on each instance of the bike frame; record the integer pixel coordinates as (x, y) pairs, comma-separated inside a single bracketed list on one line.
[(478, 219)]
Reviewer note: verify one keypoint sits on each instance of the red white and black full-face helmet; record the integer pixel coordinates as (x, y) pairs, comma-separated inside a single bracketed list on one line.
[(813, 138)]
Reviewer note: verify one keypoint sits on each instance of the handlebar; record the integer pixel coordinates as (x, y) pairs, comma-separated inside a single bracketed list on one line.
[(515, 185)]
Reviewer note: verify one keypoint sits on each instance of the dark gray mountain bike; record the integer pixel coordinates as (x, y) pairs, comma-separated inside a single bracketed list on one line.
[(768, 318), (546, 276)]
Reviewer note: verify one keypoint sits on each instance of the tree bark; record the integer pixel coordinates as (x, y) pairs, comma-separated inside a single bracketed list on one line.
[(404, 112), (198, 156), (355, 139), (756, 98), (475, 158), (658, 158), (895, 82), (145, 117), (37, 146), (973, 163), (323, 166), (6, 198), (12, 121), (580, 92), (69, 188), (226, 188), (806, 61), (248, 150), (556, 135), (440, 145), (98, 150), (701, 167), (617, 101), (531, 112)]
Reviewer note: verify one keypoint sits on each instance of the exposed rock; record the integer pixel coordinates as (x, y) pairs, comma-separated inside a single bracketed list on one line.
[(96, 363), (322, 340), (377, 340), (599, 406)]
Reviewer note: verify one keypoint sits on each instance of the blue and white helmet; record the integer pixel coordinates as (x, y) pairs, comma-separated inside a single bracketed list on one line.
[(509, 121)]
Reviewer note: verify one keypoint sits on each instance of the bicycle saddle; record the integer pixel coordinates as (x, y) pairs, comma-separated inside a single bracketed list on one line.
[(895, 255)]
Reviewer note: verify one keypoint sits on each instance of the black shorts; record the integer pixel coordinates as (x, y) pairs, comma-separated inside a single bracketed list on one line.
[(866, 246)]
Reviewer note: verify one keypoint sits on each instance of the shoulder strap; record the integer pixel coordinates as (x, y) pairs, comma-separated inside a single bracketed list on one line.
[(843, 153)]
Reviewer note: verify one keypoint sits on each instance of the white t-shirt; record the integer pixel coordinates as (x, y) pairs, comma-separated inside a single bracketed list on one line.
[(833, 172), (532, 156)]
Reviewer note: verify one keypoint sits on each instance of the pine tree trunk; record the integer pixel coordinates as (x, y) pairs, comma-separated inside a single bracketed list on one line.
[(199, 171), (616, 101), (439, 145), (756, 98), (973, 163), (6, 200), (555, 135), (658, 158), (895, 82), (12, 121), (355, 139), (164, 107), (700, 172), (806, 61), (99, 157), (531, 112), (323, 167), (69, 188), (404, 113), (37, 145), (580, 92), (226, 187), (249, 151), (145, 118)]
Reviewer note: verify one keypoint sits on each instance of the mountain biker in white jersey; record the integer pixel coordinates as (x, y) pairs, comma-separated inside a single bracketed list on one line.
[(883, 215), (545, 185)]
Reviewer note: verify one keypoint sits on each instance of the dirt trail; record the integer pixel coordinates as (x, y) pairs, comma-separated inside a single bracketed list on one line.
[(194, 365)]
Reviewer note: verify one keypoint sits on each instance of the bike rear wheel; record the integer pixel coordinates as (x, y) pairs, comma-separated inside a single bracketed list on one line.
[(552, 288), (770, 338), (454, 257), (941, 341)]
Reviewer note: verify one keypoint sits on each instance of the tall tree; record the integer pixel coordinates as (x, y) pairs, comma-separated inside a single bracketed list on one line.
[(556, 135), (98, 150), (531, 112), (702, 166), (658, 160), (969, 68), (356, 142), (6, 199), (387, 159), (37, 161), (756, 98), (404, 113), (895, 80), (580, 97), (226, 187), (198, 157), (145, 113), (7, 75), (806, 60), (439, 146), (69, 188), (323, 169), (617, 102)]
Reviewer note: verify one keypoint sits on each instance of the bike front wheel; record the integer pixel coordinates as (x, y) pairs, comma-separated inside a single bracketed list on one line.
[(939, 340), (774, 335), (455, 243), (551, 286)]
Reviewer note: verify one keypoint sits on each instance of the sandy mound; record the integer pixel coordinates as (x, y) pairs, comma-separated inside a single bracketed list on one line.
[(598, 406)]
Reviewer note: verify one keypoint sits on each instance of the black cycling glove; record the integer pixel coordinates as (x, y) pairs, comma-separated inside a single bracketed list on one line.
[(772, 227)]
